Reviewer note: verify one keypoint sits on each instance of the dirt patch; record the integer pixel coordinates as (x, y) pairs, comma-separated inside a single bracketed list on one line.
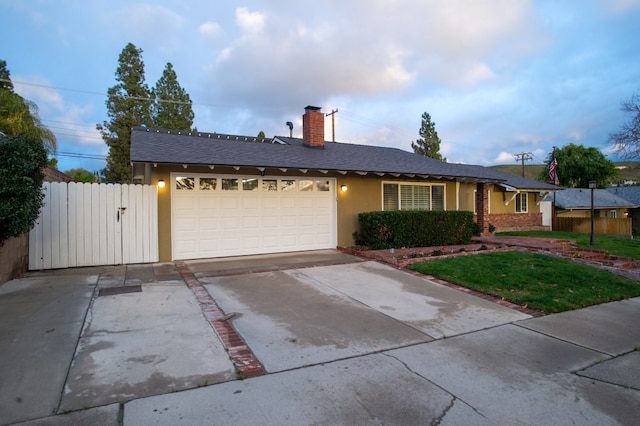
[(402, 257)]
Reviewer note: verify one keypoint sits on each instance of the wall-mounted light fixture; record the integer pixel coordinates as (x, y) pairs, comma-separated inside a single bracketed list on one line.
[(344, 188), (161, 183)]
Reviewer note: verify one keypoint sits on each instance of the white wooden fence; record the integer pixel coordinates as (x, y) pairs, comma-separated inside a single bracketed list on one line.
[(91, 224)]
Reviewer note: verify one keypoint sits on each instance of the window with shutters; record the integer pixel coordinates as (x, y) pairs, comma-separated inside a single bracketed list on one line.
[(404, 196)]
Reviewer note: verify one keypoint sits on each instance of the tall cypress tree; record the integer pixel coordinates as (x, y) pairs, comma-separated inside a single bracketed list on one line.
[(128, 105), (429, 142), (172, 108)]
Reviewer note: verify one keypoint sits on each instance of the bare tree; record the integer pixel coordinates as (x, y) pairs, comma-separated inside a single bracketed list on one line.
[(626, 141)]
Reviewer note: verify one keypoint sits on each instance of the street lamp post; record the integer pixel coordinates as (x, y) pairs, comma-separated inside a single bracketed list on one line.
[(592, 185)]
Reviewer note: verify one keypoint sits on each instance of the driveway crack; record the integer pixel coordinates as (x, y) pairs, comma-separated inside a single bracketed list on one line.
[(454, 398)]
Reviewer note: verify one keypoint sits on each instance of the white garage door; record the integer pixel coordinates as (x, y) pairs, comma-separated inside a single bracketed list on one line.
[(219, 215)]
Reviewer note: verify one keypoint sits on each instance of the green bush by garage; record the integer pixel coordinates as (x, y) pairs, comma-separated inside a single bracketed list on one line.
[(414, 228)]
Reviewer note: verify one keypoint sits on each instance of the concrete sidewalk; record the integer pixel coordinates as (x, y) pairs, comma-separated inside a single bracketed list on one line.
[(343, 342), (503, 375)]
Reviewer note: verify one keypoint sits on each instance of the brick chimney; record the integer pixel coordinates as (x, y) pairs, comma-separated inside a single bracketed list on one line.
[(313, 127)]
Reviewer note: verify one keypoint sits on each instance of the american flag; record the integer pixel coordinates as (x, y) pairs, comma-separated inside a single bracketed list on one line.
[(553, 174)]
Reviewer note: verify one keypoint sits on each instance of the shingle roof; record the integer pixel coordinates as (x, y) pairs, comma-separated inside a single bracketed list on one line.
[(162, 146), (516, 181), (629, 193), (580, 199)]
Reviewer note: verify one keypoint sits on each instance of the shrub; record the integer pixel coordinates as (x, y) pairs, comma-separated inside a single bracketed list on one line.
[(415, 228), (22, 159)]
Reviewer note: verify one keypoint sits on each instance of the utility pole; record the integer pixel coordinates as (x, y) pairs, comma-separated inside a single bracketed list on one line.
[(333, 123), (523, 156)]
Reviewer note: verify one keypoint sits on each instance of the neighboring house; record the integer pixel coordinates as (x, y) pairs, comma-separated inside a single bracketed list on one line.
[(632, 195), (54, 175), (233, 195), (576, 202)]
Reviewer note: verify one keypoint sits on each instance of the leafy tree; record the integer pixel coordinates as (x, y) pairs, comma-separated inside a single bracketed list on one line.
[(626, 141), (19, 116), (429, 142), (82, 175), (578, 165), (128, 105), (172, 104), (22, 159), (261, 134)]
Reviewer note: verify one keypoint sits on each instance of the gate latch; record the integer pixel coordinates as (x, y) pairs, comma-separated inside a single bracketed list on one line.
[(120, 209)]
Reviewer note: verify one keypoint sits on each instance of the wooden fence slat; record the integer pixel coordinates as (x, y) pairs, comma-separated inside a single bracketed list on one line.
[(54, 228), (139, 225), (72, 215), (80, 225), (101, 217), (153, 224), (110, 224), (602, 226), (124, 223), (94, 222), (46, 231), (63, 209), (86, 228)]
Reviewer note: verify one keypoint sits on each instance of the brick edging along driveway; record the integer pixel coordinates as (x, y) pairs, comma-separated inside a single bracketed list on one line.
[(244, 360)]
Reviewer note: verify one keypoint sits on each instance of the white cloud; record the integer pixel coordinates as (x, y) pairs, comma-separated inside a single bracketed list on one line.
[(250, 22), (67, 120), (72, 124), (367, 49), (38, 90), (147, 24), (503, 157), (210, 31)]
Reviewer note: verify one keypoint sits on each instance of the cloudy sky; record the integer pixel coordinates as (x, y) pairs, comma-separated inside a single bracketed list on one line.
[(499, 77)]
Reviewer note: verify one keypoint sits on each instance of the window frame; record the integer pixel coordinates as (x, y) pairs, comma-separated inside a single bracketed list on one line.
[(519, 197), (399, 192), (263, 184)]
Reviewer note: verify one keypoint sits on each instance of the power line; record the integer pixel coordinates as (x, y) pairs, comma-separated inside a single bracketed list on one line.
[(139, 98), (347, 115), (81, 155), (523, 156)]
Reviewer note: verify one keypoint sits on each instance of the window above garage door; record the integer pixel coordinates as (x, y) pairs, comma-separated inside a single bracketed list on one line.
[(235, 183), (231, 215)]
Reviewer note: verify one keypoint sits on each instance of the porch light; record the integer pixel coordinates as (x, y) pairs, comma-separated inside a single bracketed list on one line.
[(344, 188), (161, 183)]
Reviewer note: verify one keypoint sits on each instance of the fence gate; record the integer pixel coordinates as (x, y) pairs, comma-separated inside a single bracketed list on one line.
[(91, 224)]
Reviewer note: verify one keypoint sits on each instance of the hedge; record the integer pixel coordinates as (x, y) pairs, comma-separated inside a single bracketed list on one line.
[(22, 159), (415, 228)]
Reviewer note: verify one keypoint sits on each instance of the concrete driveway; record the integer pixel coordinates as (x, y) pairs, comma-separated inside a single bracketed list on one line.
[(342, 340), (312, 315)]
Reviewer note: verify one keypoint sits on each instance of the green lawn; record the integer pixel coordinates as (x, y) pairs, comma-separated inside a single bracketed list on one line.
[(537, 281), (612, 245)]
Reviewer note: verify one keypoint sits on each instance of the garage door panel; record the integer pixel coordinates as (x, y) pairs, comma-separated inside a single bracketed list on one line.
[(228, 202), (186, 224), (209, 224), (217, 223), (209, 245), (250, 243), (269, 203), (251, 222)]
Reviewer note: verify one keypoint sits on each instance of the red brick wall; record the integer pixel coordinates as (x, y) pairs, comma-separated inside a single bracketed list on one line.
[(313, 127), (517, 222), (482, 207), (14, 258)]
